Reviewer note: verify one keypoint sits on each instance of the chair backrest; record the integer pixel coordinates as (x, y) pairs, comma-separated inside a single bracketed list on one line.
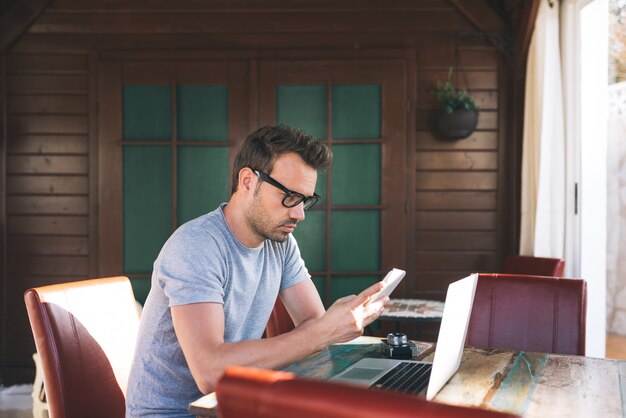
[(529, 313), (279, 322), (85, 334), (537, 266), (256, 393)]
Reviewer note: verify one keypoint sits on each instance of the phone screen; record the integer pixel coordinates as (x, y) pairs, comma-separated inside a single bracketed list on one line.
[(391, 281)]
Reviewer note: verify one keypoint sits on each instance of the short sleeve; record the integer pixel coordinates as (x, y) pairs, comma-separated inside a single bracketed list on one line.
[(189, 268), (294, 270)]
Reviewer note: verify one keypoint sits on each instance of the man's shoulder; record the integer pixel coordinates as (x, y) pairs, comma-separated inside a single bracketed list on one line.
[(209, 223), (199, 242), (203, 230)]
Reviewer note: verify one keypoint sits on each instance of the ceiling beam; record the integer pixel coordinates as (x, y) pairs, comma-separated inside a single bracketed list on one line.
[(18, 19), (480, 15), (525, 28)]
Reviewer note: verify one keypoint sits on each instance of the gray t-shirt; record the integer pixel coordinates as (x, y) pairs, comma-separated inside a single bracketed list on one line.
[(203, 262)]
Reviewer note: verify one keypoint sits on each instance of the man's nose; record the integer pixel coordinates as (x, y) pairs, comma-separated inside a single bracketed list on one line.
[(297, 212)]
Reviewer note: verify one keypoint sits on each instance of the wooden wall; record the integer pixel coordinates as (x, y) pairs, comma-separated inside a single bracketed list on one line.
[(461, 220), (47, 188), (460, 204)]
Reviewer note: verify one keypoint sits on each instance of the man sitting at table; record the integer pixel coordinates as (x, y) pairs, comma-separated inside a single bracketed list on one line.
[(217, 277)]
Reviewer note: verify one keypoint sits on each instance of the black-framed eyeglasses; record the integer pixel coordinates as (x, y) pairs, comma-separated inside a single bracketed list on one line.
[(291, 198)]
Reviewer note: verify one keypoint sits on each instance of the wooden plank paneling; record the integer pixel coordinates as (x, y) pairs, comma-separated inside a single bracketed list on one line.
[(47, 205), (110, 180), (47, 84), (487, 120), (4, 295), (434, 284), (454, 180), (479, 140), (201, 22), (17, 19), (427, 120), (455, 220), (471, 200), (26, 282), (463, 79), (42, 265), (33, 104), (20, 346), (265, 44), (466, 58), (19, 322), (485, 99), (481, 15), (455, 240), (449, 260), (462, 160), (47, 64), (47, 225), (47, 185), (93, 137), (44, 124), (244, 6), (47, 144), (46, 164), (46, 245)]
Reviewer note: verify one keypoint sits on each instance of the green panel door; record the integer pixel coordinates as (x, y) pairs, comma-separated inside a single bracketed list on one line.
[(355, 185), (202, 175), (147, 112), (349, 258), (147, 205), (175, 166), (303, 106), (202, 180)]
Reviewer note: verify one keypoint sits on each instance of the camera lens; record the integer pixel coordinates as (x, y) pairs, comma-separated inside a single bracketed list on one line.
[(397, 338)]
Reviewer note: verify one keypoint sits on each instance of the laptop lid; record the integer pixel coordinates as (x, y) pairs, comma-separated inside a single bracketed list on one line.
[(456, 315), (454, 323)]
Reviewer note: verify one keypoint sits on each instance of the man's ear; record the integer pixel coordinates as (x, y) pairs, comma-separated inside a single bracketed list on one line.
[(246, 179)]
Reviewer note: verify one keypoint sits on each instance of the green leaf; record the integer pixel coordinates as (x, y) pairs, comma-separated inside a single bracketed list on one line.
[(450, 98)]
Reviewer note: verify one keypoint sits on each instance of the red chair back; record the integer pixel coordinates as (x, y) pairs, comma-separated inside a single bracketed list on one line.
[(256, 393), (529, 313), (279, 322), (85, 334), (536, 266)]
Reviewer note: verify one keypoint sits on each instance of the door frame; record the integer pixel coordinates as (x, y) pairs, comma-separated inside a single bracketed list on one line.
[(109, 150), (112, 75), (391, 75)]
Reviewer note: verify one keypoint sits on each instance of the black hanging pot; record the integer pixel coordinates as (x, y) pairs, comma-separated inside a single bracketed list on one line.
[(457, 125)]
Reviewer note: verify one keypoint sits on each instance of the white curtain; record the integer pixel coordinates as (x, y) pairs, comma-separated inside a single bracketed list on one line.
[(543, 156), (616, 211)]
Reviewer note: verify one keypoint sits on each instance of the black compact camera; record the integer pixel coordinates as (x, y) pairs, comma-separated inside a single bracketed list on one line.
[(398, 346)]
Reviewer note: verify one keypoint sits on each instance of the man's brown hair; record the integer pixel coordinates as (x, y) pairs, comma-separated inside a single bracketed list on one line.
[(262, 147)]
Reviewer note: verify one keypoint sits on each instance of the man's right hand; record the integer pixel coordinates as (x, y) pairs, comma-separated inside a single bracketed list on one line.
[(347, 317)]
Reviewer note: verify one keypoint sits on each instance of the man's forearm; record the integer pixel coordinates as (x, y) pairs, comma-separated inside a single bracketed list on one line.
[(269, 353), (199, 328)]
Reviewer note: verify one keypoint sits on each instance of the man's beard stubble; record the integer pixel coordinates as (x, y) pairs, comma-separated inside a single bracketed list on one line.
[(258, 221)]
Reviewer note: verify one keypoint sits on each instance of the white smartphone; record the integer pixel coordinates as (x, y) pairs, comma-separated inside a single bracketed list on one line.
[(390, 282)]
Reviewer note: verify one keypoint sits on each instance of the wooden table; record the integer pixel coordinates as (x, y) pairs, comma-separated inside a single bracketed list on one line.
[(528, 384), (413, 310), (410, 315)]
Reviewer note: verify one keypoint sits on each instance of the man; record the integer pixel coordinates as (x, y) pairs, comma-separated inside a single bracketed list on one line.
[(216, 279)]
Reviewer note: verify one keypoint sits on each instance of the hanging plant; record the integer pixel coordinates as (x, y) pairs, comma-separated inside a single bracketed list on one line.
[(459, 114)]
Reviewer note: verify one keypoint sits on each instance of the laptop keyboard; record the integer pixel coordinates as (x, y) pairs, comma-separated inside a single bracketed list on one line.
[(405, 377)]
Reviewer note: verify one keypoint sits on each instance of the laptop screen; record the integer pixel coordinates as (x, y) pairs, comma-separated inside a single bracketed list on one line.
[(448, 353)]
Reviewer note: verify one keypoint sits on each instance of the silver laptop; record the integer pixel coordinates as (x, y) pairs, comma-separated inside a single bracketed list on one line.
[(415, 376)]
